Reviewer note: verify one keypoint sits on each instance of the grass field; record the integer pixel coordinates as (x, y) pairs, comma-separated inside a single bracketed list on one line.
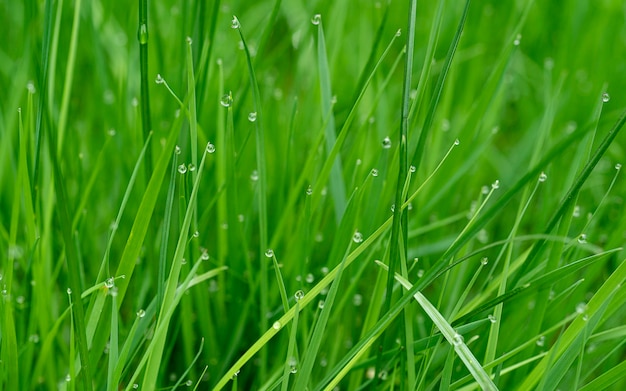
[(321, 195)]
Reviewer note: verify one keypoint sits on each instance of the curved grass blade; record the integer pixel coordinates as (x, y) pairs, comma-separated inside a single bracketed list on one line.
[(455, 339)]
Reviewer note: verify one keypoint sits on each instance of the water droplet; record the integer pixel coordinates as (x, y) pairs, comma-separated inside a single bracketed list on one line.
[(189, 383), (227, 100), (309, 190), (309, 278), (333, 100), (135, 386), (492, 318), (269, 253), (324, 270), (177, 150), (113, 291), (204, 256), (141, 313), (357, 237), (235, 23), (252, 116), (30, 86), (399, 32), (412, 168), (320, 304), (182, 168), (483, 190), (109, 283), (111, 132), (191, 167), (386, 143), (393, 207), (143, 34), (457, 142), (189, 40), (606, 97), (299, 295), (241, 218), (374, 172), (316, 19), (543, 177), (159, 79), (254, 176), (581, 308), (34, 338), (541, 341), (357, 300), (210, 148), (576, 212), (618, 166), (582, 238), (276, 325), (457, 340), (69, 291), (484, 261), (68, 378), (420, 273), (495, 185), (517, 40)]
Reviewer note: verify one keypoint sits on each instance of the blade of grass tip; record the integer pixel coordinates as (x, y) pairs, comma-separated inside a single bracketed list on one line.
[(146, 121), (262, 193), (430, 114), (281, 283), (596, 305), (154, 359), (455, 339), (399, 224), (337, 185), (72, 264)]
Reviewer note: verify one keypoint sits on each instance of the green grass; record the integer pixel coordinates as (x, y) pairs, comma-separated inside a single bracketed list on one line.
[(319, 195)]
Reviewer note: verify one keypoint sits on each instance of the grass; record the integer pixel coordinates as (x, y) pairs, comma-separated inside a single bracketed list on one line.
[(312, 195)]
